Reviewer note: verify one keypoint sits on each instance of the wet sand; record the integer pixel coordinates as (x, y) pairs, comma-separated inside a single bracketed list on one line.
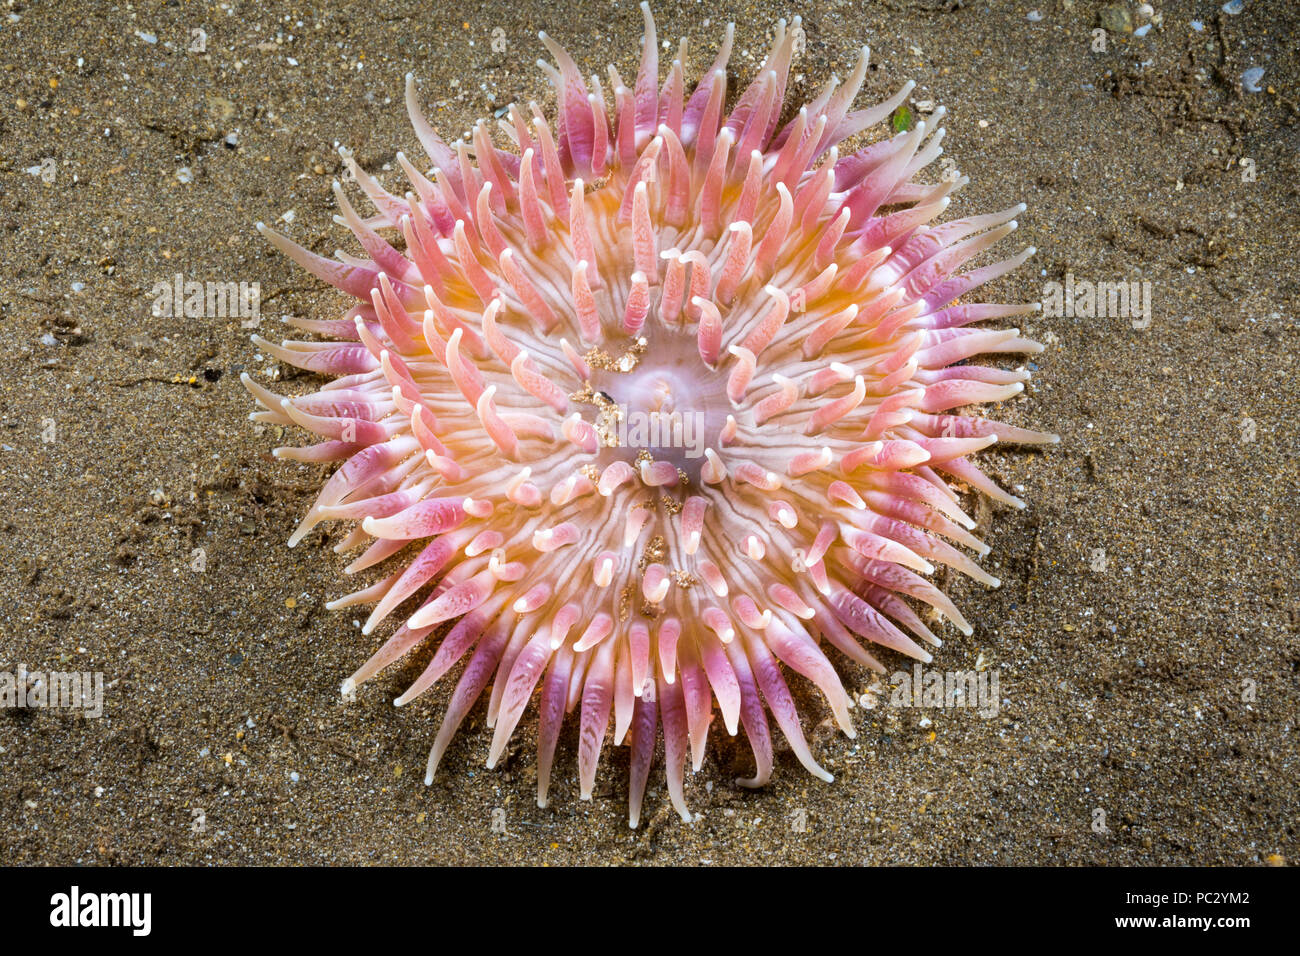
[(1145, 637)]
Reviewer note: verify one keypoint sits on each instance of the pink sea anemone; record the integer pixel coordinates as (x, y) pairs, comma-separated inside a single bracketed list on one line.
[(654, 407)]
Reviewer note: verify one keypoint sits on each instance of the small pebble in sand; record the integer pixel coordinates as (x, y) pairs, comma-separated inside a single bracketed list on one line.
[(1116, 18), (47, 170), (1250, 79)]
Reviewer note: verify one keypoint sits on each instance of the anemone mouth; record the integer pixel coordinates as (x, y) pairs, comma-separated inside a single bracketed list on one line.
[(668, 402), (669, 406)]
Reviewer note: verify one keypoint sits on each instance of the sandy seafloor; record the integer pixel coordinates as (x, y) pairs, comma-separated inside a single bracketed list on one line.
[(224, 739)]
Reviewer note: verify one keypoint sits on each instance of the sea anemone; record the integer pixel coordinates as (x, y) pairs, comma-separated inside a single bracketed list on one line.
[(655, 407)]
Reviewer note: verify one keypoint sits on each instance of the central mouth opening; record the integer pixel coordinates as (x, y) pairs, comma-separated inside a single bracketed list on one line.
[(670, 406)]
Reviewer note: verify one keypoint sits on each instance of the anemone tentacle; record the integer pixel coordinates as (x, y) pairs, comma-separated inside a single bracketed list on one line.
[(791, 320)]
